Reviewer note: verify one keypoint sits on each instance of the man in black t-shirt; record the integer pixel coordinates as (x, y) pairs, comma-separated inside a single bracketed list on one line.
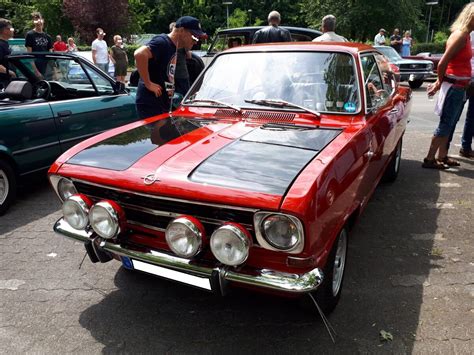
[(272, 33), (156, 63), (396, 41), (38, 41), (6, 32)]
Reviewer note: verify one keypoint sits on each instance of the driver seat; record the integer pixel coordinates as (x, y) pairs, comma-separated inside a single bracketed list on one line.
[(19, 90)]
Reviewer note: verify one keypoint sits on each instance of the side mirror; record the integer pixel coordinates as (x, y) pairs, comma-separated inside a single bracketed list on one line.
[(119, 87)]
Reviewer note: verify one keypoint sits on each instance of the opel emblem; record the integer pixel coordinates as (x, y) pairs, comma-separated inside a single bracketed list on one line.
[(150, 179)]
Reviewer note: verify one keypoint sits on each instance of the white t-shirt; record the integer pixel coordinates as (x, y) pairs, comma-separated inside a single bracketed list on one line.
[(102, 52), (330, 37), (379, 40)]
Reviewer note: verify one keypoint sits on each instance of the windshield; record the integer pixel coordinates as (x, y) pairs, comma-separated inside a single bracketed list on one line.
[(320, 81), (390, 53)]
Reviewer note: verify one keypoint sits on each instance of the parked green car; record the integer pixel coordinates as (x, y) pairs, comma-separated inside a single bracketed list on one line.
[(55, 101)]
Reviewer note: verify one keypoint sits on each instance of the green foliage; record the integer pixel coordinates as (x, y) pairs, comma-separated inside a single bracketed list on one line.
[(19, 12), (239, 18), (440, 37), (358, 20)]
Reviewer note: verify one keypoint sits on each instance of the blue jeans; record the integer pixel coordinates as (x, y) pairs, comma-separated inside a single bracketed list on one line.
[(103, 66), (468, 132)]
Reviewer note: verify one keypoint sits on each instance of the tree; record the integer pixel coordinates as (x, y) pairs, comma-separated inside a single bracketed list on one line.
[(87, 15)]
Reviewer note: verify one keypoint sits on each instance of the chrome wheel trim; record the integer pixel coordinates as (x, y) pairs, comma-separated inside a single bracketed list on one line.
[(398, 157), (339, 263), (4, 186)]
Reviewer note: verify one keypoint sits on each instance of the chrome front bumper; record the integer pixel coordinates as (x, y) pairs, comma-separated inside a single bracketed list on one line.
[(186, 271)]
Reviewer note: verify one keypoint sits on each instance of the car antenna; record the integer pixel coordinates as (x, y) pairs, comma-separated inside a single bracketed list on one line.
[(170, 112), (329, 327)]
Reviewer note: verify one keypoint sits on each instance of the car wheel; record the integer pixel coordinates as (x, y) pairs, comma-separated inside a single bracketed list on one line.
[(7, 186), (393, 167), (328, 294), (415, 84)]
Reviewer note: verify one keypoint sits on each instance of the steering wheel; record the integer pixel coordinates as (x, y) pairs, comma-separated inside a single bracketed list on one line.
[(42, 90)]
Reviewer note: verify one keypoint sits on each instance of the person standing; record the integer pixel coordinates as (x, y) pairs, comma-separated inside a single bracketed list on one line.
[(273, 32), (454, 74), (71, 45), (59, 45), (118, 55), (379, 39), (407, 42), (38, 41), (6, 32), (156, 62), (100, 52), (396, 41), (181, 75), (468, 131), (328, 26)]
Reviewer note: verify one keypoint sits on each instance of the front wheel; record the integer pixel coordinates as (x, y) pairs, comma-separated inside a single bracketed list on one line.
[(391, 173), (328, 294), (7, 186), (415, 84)]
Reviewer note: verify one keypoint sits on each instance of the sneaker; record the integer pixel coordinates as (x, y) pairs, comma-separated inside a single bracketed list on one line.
[(466, 153)]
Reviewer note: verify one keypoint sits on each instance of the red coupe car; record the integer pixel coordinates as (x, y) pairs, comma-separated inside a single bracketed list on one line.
[(254, 181)]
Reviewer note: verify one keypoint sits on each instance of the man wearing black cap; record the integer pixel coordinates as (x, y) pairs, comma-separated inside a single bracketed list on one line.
[(156, 63)]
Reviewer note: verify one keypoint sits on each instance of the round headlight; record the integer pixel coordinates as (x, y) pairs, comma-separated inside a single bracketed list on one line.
[(230, 244), (184, 236), (66, 188), (105, 219), (76, 211), (280, 231)]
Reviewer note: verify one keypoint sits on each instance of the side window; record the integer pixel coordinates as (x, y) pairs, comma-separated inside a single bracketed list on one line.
[(104, 86), (388, 76), (224, 42), (376, 95)]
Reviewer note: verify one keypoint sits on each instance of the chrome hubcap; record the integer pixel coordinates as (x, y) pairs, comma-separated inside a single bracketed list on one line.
[(4, 187), (339, 263)]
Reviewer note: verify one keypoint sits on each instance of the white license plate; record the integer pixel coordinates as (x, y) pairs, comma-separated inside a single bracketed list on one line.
[(201, 282)]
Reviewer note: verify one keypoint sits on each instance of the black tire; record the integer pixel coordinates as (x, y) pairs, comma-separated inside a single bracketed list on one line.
[(328, 294), (415, 84), (391, 173), (7, 186)]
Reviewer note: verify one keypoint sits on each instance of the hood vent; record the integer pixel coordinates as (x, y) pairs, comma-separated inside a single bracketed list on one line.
[(258, 115)]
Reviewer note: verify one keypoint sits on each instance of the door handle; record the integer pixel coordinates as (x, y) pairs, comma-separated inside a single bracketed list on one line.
[(369, 154), (63, 114), (394, 110)]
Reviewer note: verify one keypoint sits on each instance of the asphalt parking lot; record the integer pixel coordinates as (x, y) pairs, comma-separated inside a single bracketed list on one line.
[(410, 273)]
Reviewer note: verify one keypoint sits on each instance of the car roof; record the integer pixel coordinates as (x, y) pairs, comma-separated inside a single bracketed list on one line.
[(253, 29), (349, 47)]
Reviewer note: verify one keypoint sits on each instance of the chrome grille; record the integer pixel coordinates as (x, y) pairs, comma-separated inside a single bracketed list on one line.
[(155, 212)]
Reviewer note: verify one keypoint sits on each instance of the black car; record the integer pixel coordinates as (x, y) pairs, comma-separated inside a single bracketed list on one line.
[(243, 35)]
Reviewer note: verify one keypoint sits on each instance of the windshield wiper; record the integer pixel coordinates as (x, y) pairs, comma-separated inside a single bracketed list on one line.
[(281, 103), (211, 101)]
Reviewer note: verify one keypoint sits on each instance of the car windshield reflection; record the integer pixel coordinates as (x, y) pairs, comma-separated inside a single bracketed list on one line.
[(315, 81)]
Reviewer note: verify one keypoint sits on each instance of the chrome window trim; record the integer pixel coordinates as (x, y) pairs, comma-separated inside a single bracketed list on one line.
[(352, 55), (261, 215)]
